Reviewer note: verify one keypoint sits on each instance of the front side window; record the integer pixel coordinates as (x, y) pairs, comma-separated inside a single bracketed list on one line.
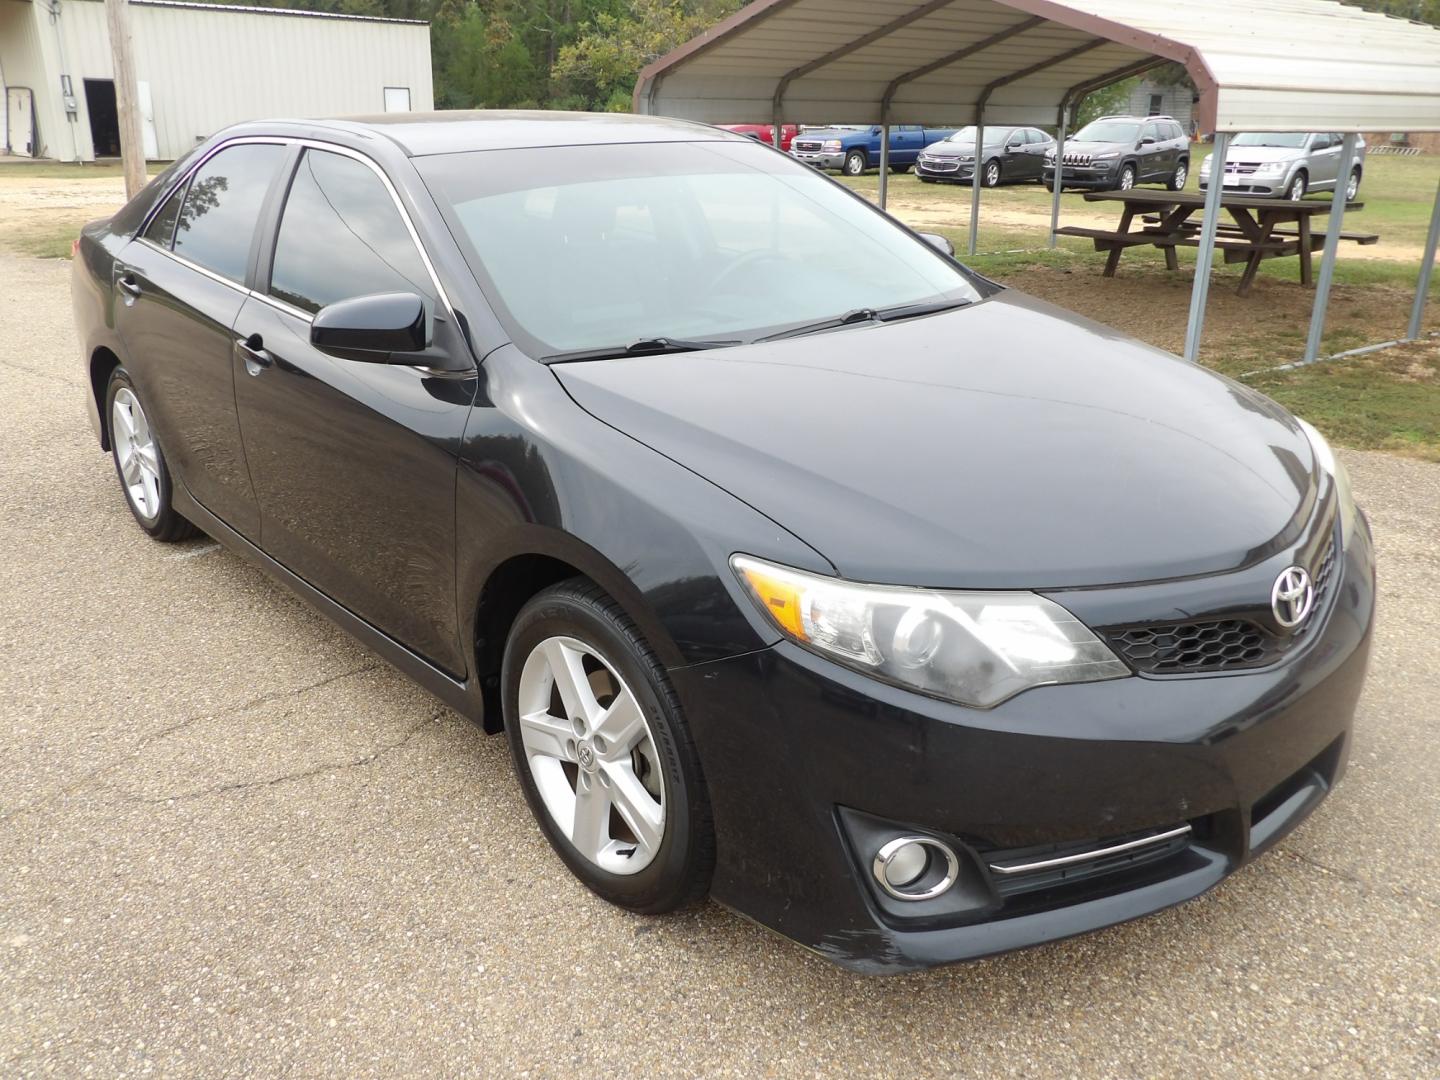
[(589, 247), (341, 237), (217, 220), (1151, 131)]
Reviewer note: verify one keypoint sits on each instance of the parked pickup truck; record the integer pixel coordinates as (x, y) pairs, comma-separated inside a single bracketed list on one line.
[(854, 148)]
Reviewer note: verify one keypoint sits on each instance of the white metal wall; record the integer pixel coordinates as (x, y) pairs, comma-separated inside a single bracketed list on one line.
[(209, 66)]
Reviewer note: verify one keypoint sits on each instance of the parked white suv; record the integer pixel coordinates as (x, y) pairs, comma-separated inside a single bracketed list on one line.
[(1285, 164)]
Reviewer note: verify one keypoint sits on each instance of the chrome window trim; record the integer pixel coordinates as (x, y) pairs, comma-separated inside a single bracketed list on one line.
[(1088, 856), (285, 140)]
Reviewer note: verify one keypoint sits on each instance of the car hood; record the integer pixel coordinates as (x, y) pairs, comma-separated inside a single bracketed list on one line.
[(828, 133), (1007, 444), (1074, 147), (1260, 153)]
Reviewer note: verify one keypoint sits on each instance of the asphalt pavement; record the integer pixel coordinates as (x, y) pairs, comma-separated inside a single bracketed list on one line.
[(232, 842)]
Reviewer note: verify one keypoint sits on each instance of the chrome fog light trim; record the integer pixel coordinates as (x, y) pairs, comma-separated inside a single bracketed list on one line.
[(907, 875)]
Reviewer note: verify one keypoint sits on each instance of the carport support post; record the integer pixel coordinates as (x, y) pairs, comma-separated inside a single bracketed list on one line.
[(1422, 290), (975, 180), (1059, 174), (1205, 253), (1332, 245), (884, 163)]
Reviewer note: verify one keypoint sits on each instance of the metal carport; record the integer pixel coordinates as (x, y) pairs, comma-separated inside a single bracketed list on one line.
[(1259, 65)]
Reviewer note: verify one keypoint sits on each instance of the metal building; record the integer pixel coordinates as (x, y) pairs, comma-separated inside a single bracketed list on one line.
[(200, 67)]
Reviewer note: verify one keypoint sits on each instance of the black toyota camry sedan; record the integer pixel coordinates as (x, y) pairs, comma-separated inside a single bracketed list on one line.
[(801, 566)]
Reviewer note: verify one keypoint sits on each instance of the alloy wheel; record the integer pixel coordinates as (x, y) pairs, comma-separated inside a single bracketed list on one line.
[(1297, 188), (1127, 178), (136, 453), (1353, 187), (592, 755), (992, 174), (1181, 175)]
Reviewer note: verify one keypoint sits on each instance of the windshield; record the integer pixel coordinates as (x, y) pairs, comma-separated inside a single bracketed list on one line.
[(587, 247), (1108, 131), (964, 135), (1290, 140)]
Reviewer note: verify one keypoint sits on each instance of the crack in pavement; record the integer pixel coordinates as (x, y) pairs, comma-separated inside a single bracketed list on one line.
[(180, 725), (305, 774), (1354, 879)]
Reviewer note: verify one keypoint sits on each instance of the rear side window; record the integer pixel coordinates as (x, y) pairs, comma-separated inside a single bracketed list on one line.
[(161, 229), (1174, 131), (222, 206), (341, 236)]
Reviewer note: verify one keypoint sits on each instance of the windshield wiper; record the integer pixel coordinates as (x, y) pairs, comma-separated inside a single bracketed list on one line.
[(656, 346), (869, 315), (850, 318)]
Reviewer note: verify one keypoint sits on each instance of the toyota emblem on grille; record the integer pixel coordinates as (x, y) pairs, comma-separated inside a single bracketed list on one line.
[(1292, 596)]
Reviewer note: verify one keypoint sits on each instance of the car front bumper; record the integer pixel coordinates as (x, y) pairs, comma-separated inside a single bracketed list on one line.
[(1085, 176), (797, 750), (818, 159), (1255, 186)]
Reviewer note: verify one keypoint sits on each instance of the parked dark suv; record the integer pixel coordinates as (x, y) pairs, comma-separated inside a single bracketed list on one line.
[(1121, 151)]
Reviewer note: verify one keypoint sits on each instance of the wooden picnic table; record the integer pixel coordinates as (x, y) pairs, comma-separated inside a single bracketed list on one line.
[(1258, 229)]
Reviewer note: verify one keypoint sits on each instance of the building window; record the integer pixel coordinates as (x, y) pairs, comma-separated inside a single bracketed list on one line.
[(397, 99), (1157, 102)]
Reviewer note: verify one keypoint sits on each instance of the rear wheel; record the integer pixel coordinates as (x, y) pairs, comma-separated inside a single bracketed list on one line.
[(140, 463), (603, 752), (855, 163), (1352, 187), (1298, 186), (1126, 180), (1178, 177)]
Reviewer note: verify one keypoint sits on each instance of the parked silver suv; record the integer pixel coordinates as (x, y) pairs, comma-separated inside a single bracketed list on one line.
[(1285, 164)]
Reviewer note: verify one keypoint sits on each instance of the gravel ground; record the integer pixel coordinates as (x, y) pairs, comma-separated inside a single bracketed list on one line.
[(232, 842)]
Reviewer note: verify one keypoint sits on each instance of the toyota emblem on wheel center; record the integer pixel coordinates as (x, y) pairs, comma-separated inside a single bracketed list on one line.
[(1292, 596)]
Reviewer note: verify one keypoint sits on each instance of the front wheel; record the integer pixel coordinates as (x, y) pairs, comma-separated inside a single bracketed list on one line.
[(855, 163), (1296, 191), (1127, 178), (992, 174), (1352, 186), (603, 753), (140, 463), (1178, 177)]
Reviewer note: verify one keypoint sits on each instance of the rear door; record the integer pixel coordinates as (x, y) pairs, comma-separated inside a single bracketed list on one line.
[(353, 462), (181, 285)]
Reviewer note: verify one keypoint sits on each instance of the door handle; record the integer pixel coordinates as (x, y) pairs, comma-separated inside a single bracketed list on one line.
[(252, 350), (129, 285)]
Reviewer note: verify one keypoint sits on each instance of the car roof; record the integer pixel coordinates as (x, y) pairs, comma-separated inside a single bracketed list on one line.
[(420, 134)]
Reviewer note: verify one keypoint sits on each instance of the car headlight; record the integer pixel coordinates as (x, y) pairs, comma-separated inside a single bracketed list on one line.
[(1270, 168), (1329, 464), (1205, 167), (1104, 157), (975, 648), (831, 147)]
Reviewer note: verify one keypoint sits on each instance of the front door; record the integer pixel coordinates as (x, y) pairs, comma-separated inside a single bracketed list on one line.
[(179, 289), (353, 462), (1325, 161)]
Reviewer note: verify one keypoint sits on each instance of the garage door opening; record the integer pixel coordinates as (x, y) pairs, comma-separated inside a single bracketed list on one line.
[(104, 119)]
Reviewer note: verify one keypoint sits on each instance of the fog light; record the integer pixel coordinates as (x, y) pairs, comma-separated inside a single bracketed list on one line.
[(916, 867)]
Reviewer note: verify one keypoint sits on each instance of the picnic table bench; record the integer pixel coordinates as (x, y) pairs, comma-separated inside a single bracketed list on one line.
[(1258, 229)]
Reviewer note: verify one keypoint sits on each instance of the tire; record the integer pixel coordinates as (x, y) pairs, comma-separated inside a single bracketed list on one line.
[(1049, 184), (1353, 187), (1126, 180), (855, 163), (140, 463), (653, 771), (1178, 177), (991, 176), (1297, 187), (899, 168)]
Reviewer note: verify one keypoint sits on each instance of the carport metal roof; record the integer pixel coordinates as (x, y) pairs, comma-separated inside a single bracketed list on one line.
[(1259, 65)]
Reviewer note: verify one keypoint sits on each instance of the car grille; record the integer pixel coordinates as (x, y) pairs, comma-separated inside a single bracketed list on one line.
[(808, 145), (1049, 866), (1241, 168), (1190, 648), (939, 164), (1077, 159)]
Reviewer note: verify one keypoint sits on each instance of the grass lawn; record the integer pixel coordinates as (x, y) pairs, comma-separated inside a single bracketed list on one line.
[(60, 170)]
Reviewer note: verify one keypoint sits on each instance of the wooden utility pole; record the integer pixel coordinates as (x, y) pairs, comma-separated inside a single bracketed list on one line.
[(127, 95)]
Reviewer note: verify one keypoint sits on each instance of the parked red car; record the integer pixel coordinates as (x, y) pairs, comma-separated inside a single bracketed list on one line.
[(765, 133)]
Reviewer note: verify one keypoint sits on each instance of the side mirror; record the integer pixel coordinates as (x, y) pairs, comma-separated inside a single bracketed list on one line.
[(875, 131), (1015, 146), (1148, 140), (371, 328), (938, 242)]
